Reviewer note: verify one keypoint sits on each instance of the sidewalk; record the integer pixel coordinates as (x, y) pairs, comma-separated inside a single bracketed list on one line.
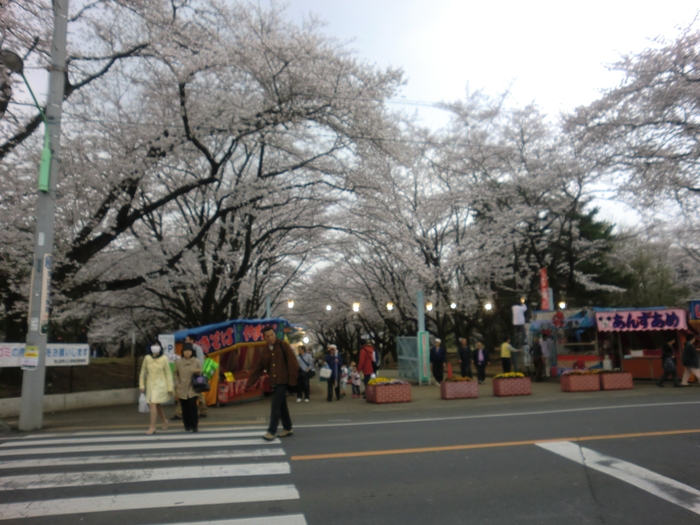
[(426, 403)]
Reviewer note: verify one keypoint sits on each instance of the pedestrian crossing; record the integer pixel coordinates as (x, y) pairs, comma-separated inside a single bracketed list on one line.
[(226, 476)]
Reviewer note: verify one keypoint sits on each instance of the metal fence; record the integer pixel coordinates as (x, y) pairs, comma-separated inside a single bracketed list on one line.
[(409, 360)]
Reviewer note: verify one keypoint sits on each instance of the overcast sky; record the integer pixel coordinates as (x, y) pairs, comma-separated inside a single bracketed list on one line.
[(551, 53)]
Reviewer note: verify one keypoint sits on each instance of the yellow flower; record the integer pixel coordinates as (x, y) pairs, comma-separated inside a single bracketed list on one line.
[(509, 375), (385, 381)]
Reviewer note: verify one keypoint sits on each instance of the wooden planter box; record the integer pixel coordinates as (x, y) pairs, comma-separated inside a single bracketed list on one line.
[(580, 383), (459, 389), (381, 394), (621, 381), (516, 386)]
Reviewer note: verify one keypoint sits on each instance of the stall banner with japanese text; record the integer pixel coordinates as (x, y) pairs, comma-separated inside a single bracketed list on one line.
[(641, 320), (12, 354), (224, 335)]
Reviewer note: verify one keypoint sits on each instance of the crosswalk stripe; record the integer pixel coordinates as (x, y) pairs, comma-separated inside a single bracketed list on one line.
[(656, 484), (293, 519), (202, 429), (113, 477), (113, 439), (136, 446), (96, 460), (150, 500)]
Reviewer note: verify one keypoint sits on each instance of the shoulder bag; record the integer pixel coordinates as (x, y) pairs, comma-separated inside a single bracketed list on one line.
[(200, 383)]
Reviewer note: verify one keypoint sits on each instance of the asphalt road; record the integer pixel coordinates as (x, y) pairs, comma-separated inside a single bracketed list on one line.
[(586, 460), (518, 482)]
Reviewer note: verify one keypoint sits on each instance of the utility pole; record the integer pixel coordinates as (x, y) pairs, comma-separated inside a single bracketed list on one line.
[(420, 311), (31, 407)]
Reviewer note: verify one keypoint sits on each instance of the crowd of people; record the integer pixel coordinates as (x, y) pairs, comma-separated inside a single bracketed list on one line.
[(287, 372), (336, 372), (540, 351), (290, 372)]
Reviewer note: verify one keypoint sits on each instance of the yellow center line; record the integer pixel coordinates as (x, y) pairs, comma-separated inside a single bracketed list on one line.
[(423, 450)]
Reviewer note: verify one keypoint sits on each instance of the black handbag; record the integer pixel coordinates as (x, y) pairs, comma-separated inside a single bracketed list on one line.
[(200, 383), (311, 373)]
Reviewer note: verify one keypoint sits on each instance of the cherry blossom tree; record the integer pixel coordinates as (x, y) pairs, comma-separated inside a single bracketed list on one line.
[(645, 133), (208, 157)]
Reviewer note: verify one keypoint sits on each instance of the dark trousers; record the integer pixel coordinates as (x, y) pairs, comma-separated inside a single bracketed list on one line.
[(366, 379), (333, 385), (190, 418), (303, 385), (438, 371), (505, 362), (669, 375), (481, 372), (466, 369), (539, 368), (279, 410), (355, 390)]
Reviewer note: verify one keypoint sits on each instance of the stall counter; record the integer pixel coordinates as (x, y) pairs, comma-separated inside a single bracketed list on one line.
[(648, 367)]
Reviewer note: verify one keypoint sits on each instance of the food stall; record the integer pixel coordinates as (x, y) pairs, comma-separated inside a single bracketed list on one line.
[(634, 337), (631, 338), (234, 346), (574, 335)]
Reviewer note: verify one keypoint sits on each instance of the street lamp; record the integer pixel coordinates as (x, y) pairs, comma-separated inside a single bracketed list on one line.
[(306, 340), (290, 304), (328, 308), (562, 305), (429, 306), (390, 306), (488, 307), (14, 63), (453, 306), (355, 307)]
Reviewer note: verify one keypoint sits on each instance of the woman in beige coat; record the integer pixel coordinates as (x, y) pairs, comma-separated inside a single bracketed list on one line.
[(185, 368), (157, 382)]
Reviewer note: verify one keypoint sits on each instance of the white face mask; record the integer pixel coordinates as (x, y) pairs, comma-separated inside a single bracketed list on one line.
[(155, 350)]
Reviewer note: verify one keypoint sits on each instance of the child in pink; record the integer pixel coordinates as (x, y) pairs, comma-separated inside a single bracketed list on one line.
[(355, 380)]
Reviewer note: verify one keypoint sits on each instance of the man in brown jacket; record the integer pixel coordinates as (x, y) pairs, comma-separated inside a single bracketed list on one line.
[(281, 364)]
